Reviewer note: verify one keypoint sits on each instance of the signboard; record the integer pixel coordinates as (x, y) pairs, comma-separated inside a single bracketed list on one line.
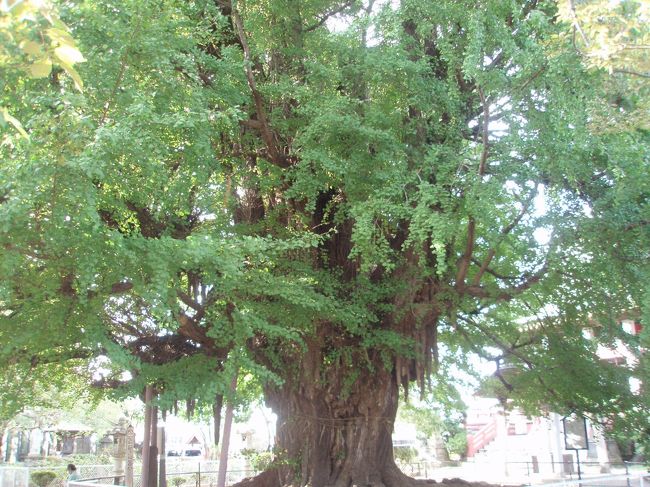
[(575, 433), (575, 436)]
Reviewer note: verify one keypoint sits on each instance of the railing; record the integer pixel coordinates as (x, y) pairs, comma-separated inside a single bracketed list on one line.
[(626, 474), (548, 474), (206, 477), (478, 440), (12, 475), (187, 469), (95, 482), (535, 471), (532, 472)]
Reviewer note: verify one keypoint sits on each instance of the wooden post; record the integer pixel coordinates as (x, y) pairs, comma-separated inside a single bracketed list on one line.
[(162, 471), (225, 439), (153, 452), (148, 393)]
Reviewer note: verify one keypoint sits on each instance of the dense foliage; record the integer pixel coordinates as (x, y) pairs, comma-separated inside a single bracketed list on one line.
[(374, 190)]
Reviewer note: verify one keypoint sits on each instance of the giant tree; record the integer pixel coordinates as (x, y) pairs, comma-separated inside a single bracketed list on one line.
[(339, 197)]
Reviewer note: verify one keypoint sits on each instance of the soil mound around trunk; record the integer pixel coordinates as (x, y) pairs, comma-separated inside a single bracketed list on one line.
[(270, 478)]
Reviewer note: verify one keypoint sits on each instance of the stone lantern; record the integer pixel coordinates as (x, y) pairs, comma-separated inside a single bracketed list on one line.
[(106, 444)]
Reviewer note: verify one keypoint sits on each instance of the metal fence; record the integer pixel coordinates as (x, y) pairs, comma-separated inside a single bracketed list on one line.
[(204, 474), (179, 473), (629, 479), (532, 472), (19, 476)]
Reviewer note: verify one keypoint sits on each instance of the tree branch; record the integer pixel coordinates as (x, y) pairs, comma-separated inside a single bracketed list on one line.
[(504, 347), (327, 15), (632, 226), (120, 74), (466, 259), (149, 226), (632, 73), (494, 273), (504, 232), (121, 287), (508, 294), (576, 23), (265, 129), (188, 301), (509, 387), (486, 128), (18, 356)]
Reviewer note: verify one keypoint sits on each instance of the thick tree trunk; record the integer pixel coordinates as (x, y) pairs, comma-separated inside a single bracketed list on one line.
[(335, 442), (335, 423)]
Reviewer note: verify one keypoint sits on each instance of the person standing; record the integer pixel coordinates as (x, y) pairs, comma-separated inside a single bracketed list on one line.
[(72, 473)]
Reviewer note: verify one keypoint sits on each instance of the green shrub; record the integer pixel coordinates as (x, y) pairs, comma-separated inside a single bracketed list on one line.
[(177, 481), (259, 460), (405, 454), (457, 444), (43, 477)]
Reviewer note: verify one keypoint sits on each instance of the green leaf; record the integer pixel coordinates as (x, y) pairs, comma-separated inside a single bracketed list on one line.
[(78, 82), (60, 36), (13, 121), (32, 48), (68, 55), (41, 68)]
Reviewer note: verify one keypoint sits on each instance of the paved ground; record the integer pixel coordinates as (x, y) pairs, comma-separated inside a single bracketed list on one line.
[(523, 475)]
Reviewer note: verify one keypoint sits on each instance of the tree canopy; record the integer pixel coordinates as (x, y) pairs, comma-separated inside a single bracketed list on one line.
[(338, 198)]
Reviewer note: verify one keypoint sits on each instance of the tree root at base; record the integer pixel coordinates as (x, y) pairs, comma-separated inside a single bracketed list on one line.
[(271, 478)]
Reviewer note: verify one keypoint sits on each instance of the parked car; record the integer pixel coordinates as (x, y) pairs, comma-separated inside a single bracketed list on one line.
[(186, 452)]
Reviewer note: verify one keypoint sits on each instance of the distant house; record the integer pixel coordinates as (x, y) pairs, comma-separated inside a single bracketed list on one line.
[(183, 439), (533, 444), (536, 444)]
